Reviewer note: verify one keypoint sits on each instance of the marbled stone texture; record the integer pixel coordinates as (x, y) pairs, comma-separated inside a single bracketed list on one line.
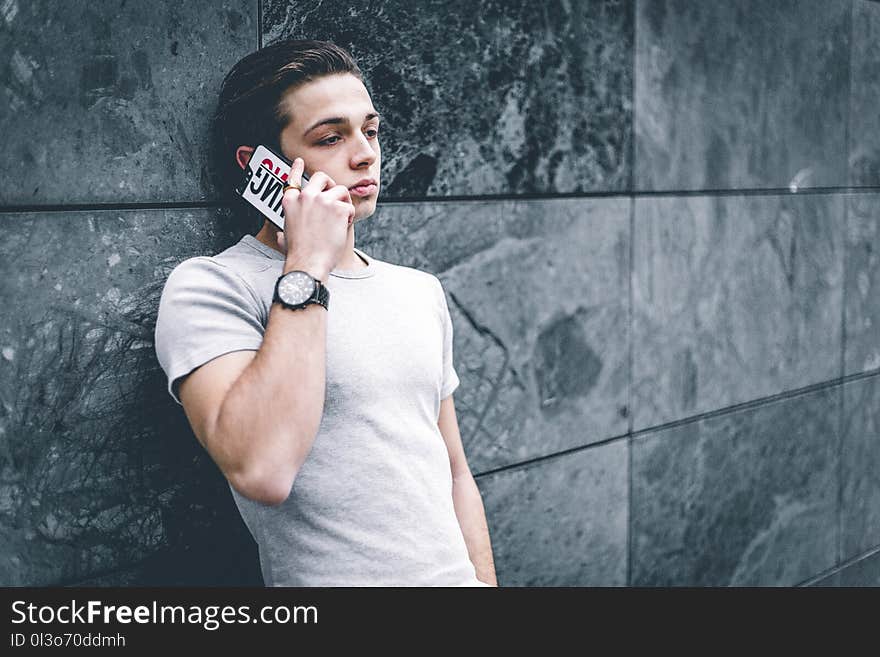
[(860, 465), (561, 521), (110, 101), (864, 572), (864, 155), (100, 475), (862, 325), (538, 294), (488, 97), (734, 298), (747, 94), (743, 499)]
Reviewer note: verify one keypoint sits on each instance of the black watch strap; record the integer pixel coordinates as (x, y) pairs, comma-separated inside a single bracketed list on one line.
[(321, 295)]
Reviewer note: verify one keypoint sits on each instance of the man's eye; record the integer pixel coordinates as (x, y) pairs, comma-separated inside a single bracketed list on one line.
[(332, 139)]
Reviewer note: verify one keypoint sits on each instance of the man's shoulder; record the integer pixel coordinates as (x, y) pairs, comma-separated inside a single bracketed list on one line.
[(238, 259), (411, 275), (244, 257), (230, 270)]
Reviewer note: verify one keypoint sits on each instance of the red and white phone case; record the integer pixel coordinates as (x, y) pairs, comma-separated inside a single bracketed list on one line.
[(263, 183)]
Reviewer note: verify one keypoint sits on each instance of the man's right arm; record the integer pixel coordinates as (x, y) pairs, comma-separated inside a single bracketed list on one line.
[(257, 412)]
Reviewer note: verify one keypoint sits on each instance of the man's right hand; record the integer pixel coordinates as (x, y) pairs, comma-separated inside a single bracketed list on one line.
[(316, 223)]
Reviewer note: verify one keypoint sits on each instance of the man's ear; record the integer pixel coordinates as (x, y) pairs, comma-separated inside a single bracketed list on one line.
[(243, 155)]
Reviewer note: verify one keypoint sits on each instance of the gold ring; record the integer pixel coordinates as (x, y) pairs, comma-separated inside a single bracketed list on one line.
[(289, 186)]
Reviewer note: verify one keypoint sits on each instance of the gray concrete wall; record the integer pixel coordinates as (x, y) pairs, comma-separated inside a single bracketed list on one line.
[(656, 222)]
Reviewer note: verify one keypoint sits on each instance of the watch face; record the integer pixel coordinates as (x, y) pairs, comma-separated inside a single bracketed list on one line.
[(296, 287)]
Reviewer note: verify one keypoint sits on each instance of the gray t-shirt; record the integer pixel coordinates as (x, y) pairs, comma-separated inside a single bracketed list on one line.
[(372, 503)]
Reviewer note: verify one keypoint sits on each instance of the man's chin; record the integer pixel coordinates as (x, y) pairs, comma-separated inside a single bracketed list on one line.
[(364, 211)]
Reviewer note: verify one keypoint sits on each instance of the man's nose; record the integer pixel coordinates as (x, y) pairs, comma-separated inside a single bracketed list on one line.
[(364, 153)]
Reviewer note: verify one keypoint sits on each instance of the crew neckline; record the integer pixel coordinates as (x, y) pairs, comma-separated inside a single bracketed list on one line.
[(360, 272)]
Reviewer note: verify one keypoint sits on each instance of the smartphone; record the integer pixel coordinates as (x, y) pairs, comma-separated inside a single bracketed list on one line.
[(262, 186)]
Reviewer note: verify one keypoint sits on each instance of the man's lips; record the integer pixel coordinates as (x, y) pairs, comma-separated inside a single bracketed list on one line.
[(364, 190)]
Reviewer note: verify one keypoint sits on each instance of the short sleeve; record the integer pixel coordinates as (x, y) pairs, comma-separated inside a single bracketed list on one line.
[(450, 376), (206, 310)]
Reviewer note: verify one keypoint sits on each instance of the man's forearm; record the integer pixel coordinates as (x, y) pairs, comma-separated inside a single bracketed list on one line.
[(471, 516), (266, 426)]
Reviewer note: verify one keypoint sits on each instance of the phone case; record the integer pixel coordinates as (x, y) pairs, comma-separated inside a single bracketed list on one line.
[(263, 183)]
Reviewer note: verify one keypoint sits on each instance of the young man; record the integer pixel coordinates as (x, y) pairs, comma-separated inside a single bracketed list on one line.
[(317, 377)]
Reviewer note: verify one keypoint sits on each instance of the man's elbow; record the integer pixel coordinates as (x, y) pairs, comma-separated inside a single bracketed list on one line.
[(270, 489), (263, 478)]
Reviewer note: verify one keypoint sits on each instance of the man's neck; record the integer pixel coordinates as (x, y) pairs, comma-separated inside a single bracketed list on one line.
[(268, 235)]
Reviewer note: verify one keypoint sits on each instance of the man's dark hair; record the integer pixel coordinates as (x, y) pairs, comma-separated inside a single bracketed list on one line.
[(248, 111)]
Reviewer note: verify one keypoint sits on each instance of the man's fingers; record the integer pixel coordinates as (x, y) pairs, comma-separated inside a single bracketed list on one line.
[(296, 171), (348, 207), (294, 177), (321, 184), (341, 193), (318, 182)]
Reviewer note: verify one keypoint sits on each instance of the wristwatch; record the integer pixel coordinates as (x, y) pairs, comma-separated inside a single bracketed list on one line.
[(297, 289)]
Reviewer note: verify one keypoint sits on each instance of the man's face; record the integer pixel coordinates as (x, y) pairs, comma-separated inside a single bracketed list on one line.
[(334, 128)]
